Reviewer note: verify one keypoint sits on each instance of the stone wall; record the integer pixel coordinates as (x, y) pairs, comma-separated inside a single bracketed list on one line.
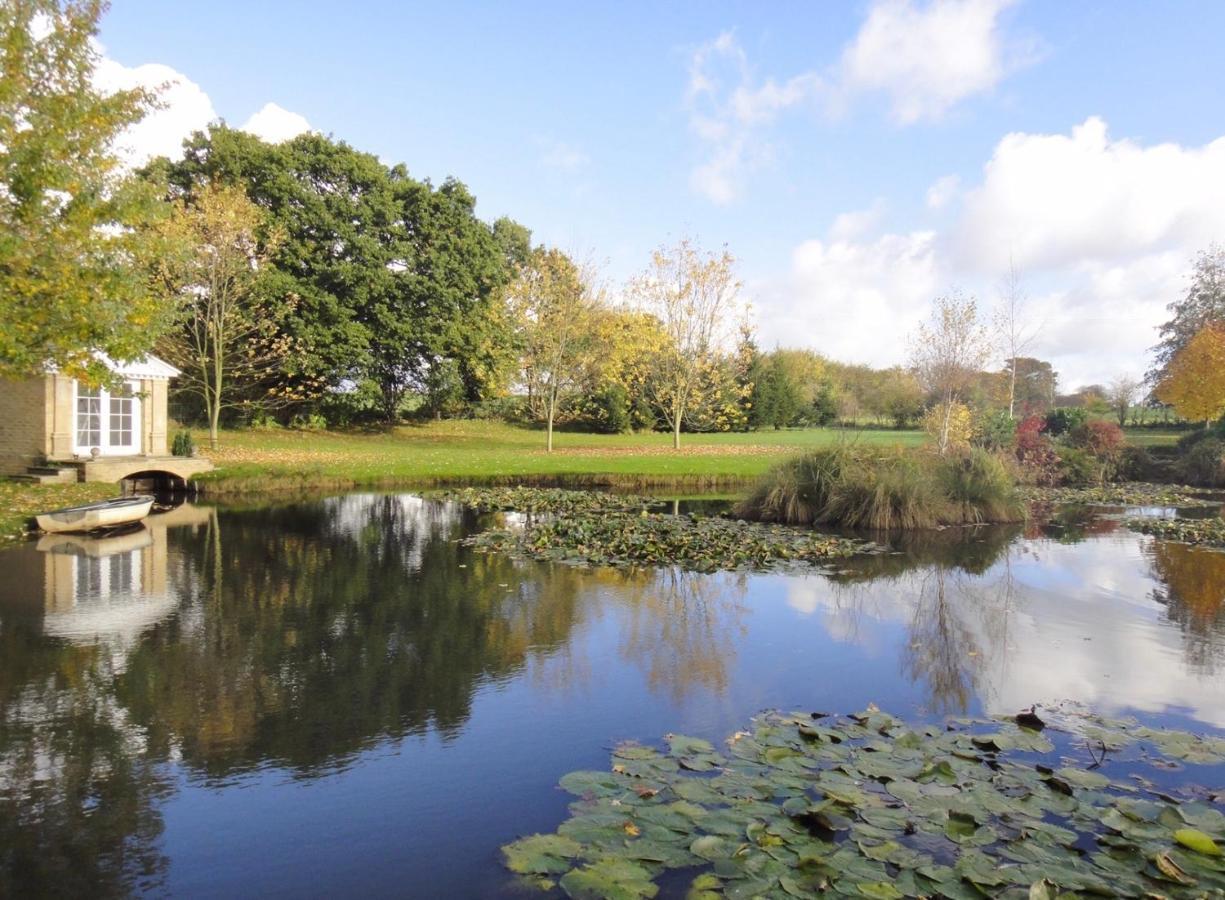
[(24, 410)]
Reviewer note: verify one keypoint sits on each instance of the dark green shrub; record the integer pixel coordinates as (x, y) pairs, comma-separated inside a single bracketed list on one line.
[(1104, 442), (184, 444), (1060, 421), (995, 430), (1077, 466), (893, 489), (1137, 464), (608, 410), (1191, 438), (1204, 463)]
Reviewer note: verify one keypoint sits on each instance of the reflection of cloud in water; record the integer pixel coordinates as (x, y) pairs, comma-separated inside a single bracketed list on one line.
[(1049, 621)]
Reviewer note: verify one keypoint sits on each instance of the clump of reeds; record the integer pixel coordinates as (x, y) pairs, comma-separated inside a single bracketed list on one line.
[(898, 489)]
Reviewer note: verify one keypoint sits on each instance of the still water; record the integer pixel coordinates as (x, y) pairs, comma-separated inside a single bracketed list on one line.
[(337, 697)]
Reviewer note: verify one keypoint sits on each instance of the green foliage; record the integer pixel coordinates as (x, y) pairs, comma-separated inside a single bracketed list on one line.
[(1137, 464), (184, 444), (1077, 466), (1064, 419), (871, 806), (1204, 463), (1208, 532), (73, 228), (391, 274), (994, 430), (863, 489), (607, 411), (444, 389)]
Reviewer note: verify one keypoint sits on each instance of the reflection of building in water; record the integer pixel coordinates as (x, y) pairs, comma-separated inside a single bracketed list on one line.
[(100, 589)]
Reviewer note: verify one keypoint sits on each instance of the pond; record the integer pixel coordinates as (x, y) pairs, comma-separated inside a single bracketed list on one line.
[(337, 696)]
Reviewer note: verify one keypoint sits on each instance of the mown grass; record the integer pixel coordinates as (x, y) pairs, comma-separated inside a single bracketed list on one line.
[(480, 452), (20, 502)]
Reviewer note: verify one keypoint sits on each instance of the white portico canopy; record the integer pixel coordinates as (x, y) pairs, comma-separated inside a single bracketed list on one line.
[(147, 367)]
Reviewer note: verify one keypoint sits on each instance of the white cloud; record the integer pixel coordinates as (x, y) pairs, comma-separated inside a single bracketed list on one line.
[(274, 124), (943, 191), (853, 300), (1101, 230), (1050, 200), (727, 112), (929, 57), (184, 108)]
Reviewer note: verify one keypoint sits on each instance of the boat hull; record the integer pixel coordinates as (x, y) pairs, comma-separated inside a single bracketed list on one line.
[(103, 515)]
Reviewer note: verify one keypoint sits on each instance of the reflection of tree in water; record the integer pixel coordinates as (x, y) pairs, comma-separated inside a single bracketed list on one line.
[(1193, 593), (959, 617), (78, 798), (682, 627), (325, 627)]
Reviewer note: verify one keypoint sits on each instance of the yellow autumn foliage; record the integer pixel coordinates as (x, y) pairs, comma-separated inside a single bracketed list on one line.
[(1195, 382), (960, 424)]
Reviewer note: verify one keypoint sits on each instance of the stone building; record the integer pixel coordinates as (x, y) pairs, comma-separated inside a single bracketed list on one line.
[(55, 428)]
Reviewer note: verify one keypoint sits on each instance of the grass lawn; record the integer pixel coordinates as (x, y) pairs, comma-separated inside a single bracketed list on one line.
[(264, 459), (1153, 437)]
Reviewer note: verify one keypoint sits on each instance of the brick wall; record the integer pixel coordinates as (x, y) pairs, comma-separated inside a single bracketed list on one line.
[(23, 423)]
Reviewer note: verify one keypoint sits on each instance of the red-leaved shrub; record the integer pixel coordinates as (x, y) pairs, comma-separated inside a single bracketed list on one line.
[(1036, 453)]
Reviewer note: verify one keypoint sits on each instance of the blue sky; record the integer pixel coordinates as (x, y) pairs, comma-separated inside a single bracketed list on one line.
[(855, 157)]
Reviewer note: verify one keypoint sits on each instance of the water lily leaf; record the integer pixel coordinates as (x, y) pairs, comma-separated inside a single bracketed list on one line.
[(609, 879), (592, 784), (1043, 890), (711, 847), (1194, 839), (541, 854), (1171, 869), (879, 890), (1083, 778), (705, 887)]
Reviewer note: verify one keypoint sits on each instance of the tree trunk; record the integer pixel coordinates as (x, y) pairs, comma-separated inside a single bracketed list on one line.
[(548, 442), (944, 431), (676, 433), (1012, 387), (214, 420)]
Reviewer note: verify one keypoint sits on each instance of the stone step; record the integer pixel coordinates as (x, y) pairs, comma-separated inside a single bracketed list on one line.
[(52, 474)]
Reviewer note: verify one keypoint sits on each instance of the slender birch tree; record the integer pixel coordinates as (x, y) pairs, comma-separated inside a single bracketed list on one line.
[(554, 302), (1015, 331), (695, 295), (947, 352)]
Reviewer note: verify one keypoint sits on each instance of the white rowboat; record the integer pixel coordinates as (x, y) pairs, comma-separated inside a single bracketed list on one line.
[(94, 516)]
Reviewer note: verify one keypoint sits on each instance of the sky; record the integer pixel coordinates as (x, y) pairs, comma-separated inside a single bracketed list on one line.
[(859, 159)]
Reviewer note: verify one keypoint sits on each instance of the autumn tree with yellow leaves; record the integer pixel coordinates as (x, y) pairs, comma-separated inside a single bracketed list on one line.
[(1194, 383), (694, 294)]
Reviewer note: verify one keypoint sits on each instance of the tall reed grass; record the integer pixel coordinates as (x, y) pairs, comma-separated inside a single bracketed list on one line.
[(885, 489)]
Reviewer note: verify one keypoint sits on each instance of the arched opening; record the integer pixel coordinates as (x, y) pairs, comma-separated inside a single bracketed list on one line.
[(153, 481)]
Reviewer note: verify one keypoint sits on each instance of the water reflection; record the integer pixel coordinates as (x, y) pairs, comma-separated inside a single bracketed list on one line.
[(1192, 590), (212, 647), (78, 791)]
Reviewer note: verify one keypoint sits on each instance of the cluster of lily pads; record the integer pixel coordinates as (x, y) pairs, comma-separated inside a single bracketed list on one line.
[(554, 501), (868, 806), (1129, 493), (691, 542), (1209, 532)]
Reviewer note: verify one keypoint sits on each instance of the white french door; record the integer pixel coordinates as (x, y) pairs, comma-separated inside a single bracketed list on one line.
[(108, 420)]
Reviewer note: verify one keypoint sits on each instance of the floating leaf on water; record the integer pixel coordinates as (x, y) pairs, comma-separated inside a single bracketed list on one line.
[(541, 854), (1194, 839), (609, 879)]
